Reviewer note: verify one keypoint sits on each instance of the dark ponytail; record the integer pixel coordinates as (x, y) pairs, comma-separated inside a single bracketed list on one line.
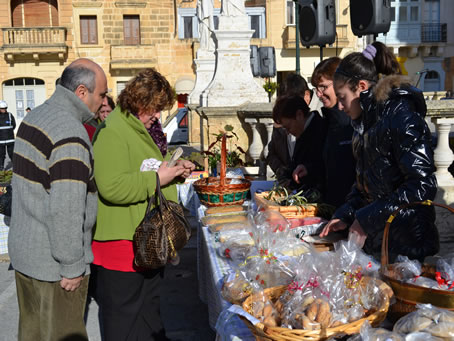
[(353, 68), (385, 61)]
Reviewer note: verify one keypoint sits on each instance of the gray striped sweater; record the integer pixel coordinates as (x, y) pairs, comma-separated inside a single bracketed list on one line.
[(54, 195)]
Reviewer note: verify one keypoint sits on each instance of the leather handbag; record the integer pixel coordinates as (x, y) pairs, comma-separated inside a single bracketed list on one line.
[(161, 234)]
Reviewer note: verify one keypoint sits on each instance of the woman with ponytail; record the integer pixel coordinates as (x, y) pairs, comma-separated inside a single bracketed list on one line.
[(395, 166)]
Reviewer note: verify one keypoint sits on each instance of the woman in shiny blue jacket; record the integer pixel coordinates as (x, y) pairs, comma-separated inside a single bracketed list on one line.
[(395, 166)]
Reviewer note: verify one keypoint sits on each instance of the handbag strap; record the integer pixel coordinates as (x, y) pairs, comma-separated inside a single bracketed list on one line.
[(158, 198)]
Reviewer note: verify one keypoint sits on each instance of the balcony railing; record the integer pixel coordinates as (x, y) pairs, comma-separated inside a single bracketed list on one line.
[(133, 56), (34, 41), (37, 36), (289, 37), (434, 33)]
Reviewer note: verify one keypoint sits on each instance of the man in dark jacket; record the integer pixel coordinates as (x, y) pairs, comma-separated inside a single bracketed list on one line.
[(7, 126), (306, 165), (282, 145)]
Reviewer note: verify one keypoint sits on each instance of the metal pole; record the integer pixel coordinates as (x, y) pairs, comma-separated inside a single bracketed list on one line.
[(321, 53), (297, 38)]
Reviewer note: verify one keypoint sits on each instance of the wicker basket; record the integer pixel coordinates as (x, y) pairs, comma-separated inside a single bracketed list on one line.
[(262, 332), (408, 295), (219, 191), (309, 210)]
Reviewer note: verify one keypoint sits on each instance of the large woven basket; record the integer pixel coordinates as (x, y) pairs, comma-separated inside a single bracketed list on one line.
[(408, 295), (262, 332), (220, 191)]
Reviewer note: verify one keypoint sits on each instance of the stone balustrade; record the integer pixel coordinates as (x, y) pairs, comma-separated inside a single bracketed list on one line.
[(440, 113), (34, 41)]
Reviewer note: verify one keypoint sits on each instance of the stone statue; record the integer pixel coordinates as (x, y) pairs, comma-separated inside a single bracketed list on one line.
[(233, 8), (206, 24)]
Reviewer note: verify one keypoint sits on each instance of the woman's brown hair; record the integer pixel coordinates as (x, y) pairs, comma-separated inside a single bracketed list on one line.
[(325, 69), (148, 90)]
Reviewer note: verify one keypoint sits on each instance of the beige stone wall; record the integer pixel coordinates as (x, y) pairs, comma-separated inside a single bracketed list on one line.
[(170, 55)]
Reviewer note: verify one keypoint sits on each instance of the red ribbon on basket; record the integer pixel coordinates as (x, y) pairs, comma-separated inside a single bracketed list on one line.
[(312, 283), (441, 281)]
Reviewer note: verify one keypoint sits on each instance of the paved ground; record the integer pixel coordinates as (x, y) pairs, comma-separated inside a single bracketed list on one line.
[(185, 317)]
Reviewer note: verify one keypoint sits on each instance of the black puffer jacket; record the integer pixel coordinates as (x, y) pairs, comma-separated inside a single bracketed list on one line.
[(392, 145)]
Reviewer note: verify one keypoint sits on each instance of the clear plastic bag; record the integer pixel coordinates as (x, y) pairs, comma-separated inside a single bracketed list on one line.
[(367, 333), (445, 273), (235, 288), (429, 319), (406, 269)]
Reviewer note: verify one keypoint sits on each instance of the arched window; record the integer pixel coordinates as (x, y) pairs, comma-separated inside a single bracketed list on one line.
[(34, 13)]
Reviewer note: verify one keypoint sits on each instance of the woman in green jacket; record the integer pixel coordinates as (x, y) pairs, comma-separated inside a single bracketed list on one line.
[(129, 296)]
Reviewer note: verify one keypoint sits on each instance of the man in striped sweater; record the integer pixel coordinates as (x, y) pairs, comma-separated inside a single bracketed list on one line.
[(54, 207)]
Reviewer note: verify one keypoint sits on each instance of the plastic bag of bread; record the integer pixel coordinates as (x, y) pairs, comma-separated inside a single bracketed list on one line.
[(445, 269), (427, 318), (406, 269), (235, 288), (367, 333), (421, 336), (241, 237), (224, 210), (214, 219), (265, 265)]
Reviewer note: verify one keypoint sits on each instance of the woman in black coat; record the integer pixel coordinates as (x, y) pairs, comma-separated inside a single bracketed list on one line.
[(395, 166), (337, 152)]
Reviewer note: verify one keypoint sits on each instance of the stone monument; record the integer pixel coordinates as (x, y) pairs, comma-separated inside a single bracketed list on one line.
[(205, 61), (233, 83)]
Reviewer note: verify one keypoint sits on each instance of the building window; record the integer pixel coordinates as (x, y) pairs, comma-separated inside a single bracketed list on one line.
[(188, 27), (257, 21), (187, 23), (131, 29), (290, 12), (407, 11), (120, 87), (88, 29)]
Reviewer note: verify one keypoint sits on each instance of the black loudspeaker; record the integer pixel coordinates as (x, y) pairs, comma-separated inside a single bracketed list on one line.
[(267, 61), (255, 62), (317, 22), (370, 16)]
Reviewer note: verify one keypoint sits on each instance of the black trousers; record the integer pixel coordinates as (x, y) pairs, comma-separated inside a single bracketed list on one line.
[(3, 148), (129, 304)]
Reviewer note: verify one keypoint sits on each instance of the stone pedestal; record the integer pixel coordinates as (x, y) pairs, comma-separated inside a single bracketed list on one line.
[(205, 65), (233, 83), (443, 156)]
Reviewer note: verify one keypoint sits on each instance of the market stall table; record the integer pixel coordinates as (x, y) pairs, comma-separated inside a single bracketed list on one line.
[(211, 270)]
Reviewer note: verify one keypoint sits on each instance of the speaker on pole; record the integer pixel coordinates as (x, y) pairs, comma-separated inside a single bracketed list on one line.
[(317, 22), (267, 57), (370, 16)]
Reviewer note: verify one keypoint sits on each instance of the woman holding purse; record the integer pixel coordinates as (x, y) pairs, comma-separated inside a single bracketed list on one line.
[(128, 296)]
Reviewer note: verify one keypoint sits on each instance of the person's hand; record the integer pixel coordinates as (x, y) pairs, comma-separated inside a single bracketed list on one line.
[(299, 172), (167, 174), (332, 226), (188, 167), (71, 284), (357, 234)]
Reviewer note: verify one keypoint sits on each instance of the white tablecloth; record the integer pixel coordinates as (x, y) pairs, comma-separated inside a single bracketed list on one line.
[(211, 270)]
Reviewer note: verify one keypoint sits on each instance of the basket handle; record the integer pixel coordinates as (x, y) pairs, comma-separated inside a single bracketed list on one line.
[(223, 160), (384, 244)]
